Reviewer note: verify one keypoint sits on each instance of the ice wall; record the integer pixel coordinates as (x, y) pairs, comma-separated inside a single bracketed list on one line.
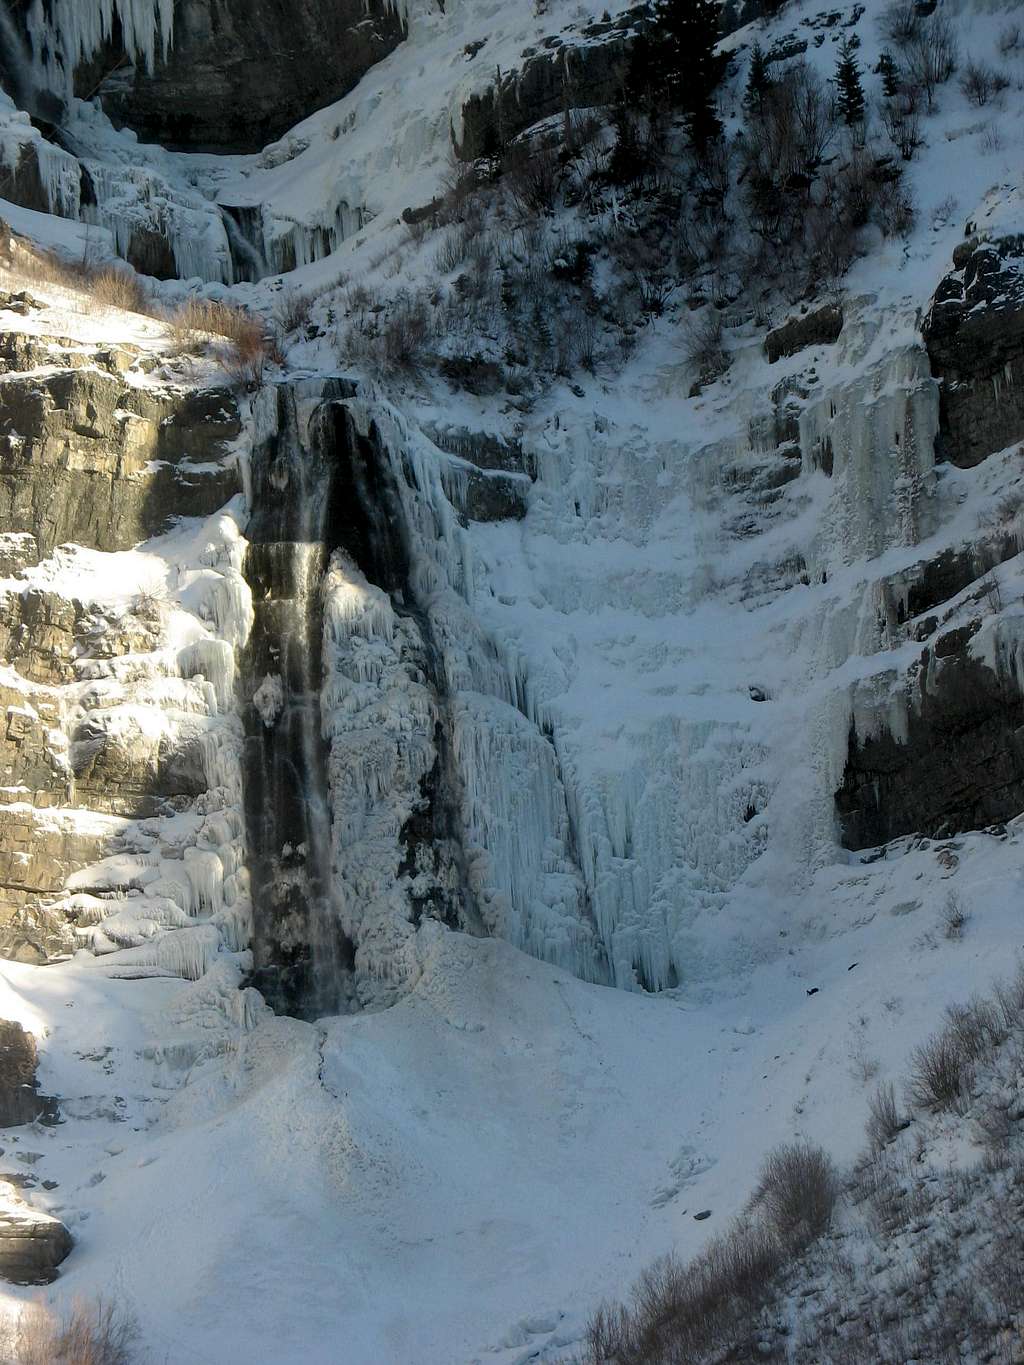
[(64, 33)]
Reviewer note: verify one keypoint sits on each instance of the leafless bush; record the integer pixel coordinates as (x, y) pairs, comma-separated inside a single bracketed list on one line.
[(932, 55), (900, 21), (1009, 999), (902, 125), (97, 1333), (953, 916), (797, 1189), (244, 350), (293, 310), (680, 1312), (110, 286), (404, 335), (977, 1029), (979, 81), (704, 347), (992, 139), (940, 1074), (532, 174), (884, 1120)]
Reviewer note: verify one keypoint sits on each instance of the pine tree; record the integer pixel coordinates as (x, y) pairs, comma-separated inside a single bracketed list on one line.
[(851, 93), (759, 80), (676, 64), (890, 74)]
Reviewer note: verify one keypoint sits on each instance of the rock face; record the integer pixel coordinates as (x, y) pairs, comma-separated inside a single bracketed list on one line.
[(32, 1244), (88, 458), (19, 1098), (953, 762), (821, 327), (975, 338), (242, 72), (588, 71), (105, 719)]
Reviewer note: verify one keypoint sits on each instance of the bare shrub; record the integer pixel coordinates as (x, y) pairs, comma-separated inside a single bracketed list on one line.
[(932, 55), (798, 1188), (680, 1312), (954, 916), (404, 335), (704, 347), (532, 174), (977, 1028), (96, 1333), (940, 1074), (900, 21), (884, 1120), (979, 82), (1009, 999), (902, 125), (243, 341), (110, 286), (293, 310)]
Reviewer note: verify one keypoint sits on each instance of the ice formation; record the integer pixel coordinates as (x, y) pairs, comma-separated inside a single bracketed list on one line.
[(65, 33)]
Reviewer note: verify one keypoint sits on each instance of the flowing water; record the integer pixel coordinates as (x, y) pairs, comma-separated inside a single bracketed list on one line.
[(301, 954)]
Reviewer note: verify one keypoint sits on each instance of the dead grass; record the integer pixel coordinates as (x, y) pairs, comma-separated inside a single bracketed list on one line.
[(241, 337), (109, 286), (87, 1333)]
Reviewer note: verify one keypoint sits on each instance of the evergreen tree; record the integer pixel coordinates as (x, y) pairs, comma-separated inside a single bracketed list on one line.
[(890, 74), (851, 93), (758, 80), (675, 64)]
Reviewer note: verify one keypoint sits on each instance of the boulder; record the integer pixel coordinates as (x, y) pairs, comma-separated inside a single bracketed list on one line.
[(32, 1244)]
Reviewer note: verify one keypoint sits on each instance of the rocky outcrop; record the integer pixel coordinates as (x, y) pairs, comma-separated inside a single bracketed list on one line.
[(242, 72), (577, 69), (975, 338), (32, 1244), (89, 458), (20, 1101), (820, 327), (953, 761), (104, 719)]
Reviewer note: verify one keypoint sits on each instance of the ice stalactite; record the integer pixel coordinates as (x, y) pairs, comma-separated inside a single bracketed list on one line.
[(65, 33), (874, 438)]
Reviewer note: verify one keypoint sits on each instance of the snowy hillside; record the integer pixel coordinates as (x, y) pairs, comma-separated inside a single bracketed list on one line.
[(528, 721)]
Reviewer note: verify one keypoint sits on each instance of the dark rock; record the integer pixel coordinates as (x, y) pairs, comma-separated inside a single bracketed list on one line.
[(818, 328), (960, 765), (19, 1100), (974, 333), (32, 1244), (240, 73), (493, 496), (586, 74), (699, 1217)]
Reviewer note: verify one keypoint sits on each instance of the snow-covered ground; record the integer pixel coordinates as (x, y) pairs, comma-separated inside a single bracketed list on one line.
[(460, 1177)]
